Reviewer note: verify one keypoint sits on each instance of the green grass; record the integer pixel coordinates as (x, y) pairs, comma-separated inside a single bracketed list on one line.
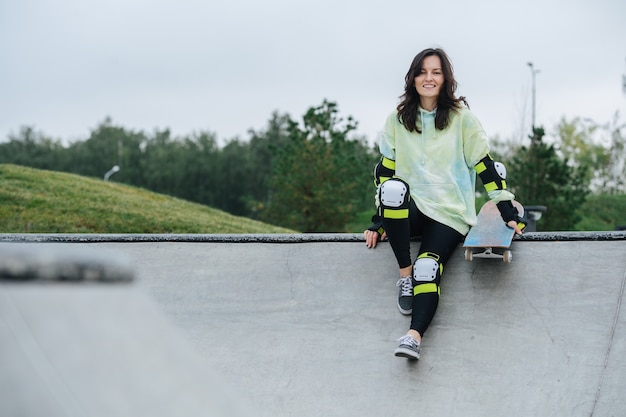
[(38, 201)]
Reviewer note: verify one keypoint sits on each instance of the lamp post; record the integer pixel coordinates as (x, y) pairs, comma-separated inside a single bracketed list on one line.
[(111, 172), (533, 72)]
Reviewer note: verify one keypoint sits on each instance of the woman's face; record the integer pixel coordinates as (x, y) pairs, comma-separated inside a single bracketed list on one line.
[(429, 81)]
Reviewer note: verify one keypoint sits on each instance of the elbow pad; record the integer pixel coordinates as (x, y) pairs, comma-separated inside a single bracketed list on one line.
[(491, 173), (384, 169)]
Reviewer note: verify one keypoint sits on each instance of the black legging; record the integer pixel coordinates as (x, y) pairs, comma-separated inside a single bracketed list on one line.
[(436, 238)]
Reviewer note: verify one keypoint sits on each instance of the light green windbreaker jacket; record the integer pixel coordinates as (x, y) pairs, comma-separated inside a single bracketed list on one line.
[(438, 165)]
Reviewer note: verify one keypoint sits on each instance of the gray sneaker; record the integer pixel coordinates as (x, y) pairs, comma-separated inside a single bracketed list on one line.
[(409, 348), (405, 297)]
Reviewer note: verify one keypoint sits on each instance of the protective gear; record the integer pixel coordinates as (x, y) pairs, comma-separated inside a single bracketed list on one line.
[(394, 193), (394, 198), (509, 212), (491, 173), (384, 170), (377, 224), (426, 271), (493, 176)]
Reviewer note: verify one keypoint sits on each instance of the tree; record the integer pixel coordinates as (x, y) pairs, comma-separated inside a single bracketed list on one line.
[(163, 164), (198, 165), (579, 150), (32, 149), (319, 176), (264, 147), (107, 145), (596, 149), (540, 177), (617, 156)]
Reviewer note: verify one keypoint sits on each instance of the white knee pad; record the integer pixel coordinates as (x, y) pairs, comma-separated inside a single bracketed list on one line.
[(425, 269), (393, 193)]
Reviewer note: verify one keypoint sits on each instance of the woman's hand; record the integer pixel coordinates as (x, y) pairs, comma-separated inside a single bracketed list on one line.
[(513, 225), (371, 238)]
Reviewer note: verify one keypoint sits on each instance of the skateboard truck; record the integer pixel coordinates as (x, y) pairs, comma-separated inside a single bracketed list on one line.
[(506, 255)]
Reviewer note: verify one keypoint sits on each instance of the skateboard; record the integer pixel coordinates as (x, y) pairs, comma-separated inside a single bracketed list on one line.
[(490, 237)]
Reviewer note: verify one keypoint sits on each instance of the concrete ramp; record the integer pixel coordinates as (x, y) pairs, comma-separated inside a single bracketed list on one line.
[(308, 327), (78, 338)]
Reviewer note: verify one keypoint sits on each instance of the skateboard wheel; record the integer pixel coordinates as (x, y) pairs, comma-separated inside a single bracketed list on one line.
[(507, 256), (468, 254)]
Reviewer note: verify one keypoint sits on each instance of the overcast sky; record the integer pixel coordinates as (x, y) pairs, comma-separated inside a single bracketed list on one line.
[(224, 66)]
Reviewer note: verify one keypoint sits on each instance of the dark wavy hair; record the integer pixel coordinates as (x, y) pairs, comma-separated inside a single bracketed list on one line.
[(408, 109)]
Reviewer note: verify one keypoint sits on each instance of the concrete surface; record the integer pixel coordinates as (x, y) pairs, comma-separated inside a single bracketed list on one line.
[(307, 328)]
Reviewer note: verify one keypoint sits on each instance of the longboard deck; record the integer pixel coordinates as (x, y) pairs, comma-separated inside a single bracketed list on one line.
[(490, 237)]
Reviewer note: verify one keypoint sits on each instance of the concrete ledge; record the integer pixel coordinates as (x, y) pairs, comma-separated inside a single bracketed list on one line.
[(270, 238)]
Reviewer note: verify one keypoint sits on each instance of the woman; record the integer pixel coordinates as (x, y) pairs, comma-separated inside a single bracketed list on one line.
[(432, 147)]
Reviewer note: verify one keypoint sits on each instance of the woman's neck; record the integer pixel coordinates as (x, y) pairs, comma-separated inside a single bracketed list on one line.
[(428, 104)]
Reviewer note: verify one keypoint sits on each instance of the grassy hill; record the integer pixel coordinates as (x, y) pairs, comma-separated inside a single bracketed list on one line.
[(38, 201)]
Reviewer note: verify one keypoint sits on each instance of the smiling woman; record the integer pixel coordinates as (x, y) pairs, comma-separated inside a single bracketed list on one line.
[(429, 81), (432, 148)]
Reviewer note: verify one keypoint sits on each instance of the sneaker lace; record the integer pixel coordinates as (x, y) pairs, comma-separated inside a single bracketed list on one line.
[(408, 340), (406, 286)]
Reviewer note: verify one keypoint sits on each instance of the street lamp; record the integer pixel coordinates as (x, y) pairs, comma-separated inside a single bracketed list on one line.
[(111, 172), (533, 72)]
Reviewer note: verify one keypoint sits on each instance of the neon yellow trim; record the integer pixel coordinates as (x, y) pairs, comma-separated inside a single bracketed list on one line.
[(396, 214), (431, 255), (491, 186), (503, 185), (389, 163), (434, 256), (383, 179), (480, 167), (426, 288)]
